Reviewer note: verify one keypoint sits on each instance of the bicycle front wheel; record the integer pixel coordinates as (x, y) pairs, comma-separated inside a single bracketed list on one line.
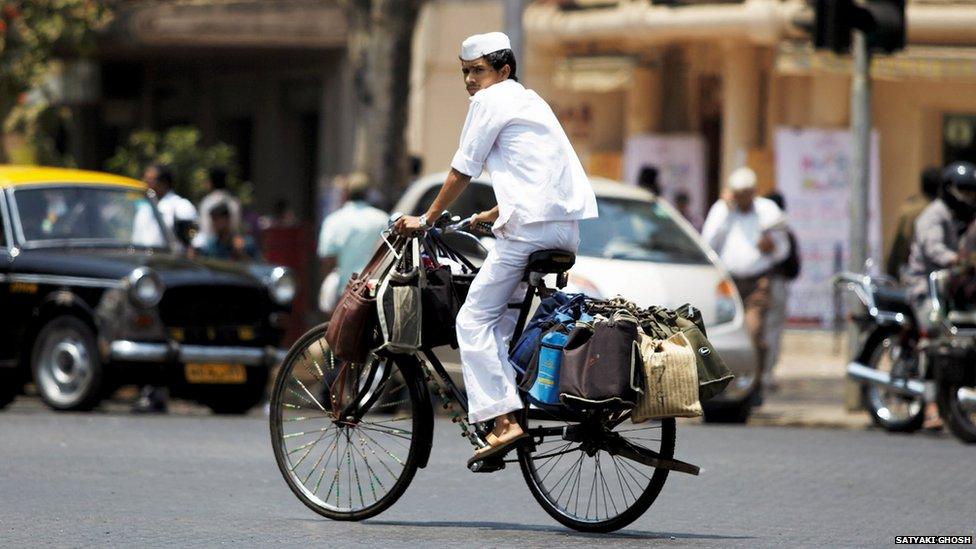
[(585, 487), (347, 437)]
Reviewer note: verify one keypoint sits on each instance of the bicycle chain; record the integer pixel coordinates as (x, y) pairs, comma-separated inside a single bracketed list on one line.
[(448, 404)]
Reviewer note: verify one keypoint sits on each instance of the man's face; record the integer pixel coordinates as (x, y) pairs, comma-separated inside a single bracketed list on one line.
[(478, 75), (743, 199), (151, 177), (220, 224)]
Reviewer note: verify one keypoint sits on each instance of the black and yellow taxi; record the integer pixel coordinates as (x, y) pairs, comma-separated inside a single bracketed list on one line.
[(95, 293)]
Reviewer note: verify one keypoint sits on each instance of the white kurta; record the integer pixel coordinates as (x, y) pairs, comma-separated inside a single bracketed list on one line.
[(735, 236), (542, 192)]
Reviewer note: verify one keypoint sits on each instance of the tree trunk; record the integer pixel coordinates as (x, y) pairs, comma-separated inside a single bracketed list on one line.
[(379, 50)]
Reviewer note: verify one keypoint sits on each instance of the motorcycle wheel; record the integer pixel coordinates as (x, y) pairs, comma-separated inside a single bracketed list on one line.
[(889, 410), (960, 419)]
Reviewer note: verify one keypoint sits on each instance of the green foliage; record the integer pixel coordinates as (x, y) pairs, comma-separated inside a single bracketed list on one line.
[(179, 148), (32, 34), (41, 124)]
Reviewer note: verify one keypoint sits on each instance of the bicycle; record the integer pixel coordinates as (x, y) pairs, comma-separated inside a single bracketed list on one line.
[(588, 469)]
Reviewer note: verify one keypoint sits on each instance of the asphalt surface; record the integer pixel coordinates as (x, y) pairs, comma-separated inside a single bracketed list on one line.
[(190, 479)]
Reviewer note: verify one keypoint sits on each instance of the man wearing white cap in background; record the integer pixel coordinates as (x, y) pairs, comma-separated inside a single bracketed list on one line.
[(749, 235), (542, 193)]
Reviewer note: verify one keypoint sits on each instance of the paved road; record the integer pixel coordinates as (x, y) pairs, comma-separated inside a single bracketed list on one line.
[(111, 479)]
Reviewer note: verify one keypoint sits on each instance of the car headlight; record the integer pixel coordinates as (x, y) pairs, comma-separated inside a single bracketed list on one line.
[(281, 285), (725, 302), (145, 287)]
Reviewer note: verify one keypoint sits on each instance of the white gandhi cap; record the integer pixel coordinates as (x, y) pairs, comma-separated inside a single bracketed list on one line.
[(742, 179), (479, 45)]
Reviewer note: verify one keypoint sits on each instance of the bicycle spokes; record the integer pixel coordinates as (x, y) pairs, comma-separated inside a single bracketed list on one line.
[(345, 430), (581, 475)]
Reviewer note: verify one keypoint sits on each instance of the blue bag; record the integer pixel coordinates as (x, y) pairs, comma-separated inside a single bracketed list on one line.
[(545, 388), (555, 309)]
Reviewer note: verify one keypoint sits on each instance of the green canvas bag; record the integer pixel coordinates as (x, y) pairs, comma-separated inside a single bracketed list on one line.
[(713, 375)]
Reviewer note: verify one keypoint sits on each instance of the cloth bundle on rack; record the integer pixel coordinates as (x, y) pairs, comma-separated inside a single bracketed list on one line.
[(670, 379), (611, 353), (662, 323), (601, 364)]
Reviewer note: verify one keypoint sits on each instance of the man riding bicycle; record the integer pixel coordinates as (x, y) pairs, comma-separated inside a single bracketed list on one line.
[(542, 193)]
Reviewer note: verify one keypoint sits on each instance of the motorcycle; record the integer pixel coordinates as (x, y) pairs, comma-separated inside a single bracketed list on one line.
[(901, 364)]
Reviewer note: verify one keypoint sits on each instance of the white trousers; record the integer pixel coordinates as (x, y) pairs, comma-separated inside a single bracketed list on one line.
[(485, 323), (779, 294)]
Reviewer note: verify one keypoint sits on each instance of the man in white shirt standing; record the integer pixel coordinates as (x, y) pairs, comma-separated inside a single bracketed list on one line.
[(749, 235), (178, 213), (542, 193), (348, 238)]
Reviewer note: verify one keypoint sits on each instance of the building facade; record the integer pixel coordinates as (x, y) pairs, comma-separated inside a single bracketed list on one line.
[(728, 74)]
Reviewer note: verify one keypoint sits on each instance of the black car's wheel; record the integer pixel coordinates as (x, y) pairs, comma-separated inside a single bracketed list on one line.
[(10, 386), (65, 364), (236, 399), (959, 417), (735, 412)]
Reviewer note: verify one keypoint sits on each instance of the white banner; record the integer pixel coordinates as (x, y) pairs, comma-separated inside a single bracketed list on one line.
[(812, 173), (680, 162)]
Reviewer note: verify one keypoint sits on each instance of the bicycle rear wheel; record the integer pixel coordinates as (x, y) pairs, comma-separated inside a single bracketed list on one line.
[(347, 437), (585, 487)]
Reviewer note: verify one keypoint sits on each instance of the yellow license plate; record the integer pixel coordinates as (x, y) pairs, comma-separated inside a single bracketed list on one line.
[(215, 373)]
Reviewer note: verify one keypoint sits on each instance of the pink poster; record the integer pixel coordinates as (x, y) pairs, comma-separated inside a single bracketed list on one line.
[(813, 173)]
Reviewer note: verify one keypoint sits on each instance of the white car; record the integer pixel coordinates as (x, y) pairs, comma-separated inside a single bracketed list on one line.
[(643, 249)]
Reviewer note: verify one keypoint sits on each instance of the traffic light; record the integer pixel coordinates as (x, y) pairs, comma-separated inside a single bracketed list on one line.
[(832, 25), (882, 20), (888, 34)]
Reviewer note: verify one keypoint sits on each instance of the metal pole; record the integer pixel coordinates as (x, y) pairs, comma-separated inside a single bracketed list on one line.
[(860, 175), (860, 151), (513, 27)]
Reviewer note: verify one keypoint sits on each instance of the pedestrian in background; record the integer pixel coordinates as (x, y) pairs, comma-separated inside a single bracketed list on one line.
[(225, 241), (180, 216), (902, 246), (178, 213), (348, 238), (647, 179), (780, 277), (748, 234), (217, 194)]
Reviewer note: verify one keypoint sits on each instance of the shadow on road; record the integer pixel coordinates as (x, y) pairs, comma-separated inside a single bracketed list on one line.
[(504, 526)]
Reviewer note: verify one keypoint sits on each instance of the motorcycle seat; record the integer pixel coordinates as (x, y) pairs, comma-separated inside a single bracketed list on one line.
[(893, 300)]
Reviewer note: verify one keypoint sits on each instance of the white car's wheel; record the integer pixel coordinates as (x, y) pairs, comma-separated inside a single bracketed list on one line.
[(66, 366)]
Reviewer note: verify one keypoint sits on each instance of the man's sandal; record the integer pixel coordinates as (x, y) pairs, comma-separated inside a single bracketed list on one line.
[(497, 447)]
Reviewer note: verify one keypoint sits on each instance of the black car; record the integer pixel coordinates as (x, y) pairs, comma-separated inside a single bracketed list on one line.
[(95, 294)]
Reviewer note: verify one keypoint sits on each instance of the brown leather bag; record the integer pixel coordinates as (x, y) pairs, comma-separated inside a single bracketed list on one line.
[(602, 364), (353, 328)]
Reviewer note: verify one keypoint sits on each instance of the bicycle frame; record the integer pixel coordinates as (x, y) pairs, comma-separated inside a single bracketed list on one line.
[(584, 421)]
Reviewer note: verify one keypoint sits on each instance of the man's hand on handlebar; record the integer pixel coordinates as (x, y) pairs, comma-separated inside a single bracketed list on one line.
[(408, 225), (482, 221)]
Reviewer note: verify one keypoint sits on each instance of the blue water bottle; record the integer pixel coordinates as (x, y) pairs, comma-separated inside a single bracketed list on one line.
[(546, 387)]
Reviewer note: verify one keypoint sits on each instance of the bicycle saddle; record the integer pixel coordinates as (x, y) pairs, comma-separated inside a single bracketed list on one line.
[(550, 261)]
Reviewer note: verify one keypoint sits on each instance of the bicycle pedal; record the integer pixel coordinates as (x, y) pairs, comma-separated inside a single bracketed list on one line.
[(487, 465)]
